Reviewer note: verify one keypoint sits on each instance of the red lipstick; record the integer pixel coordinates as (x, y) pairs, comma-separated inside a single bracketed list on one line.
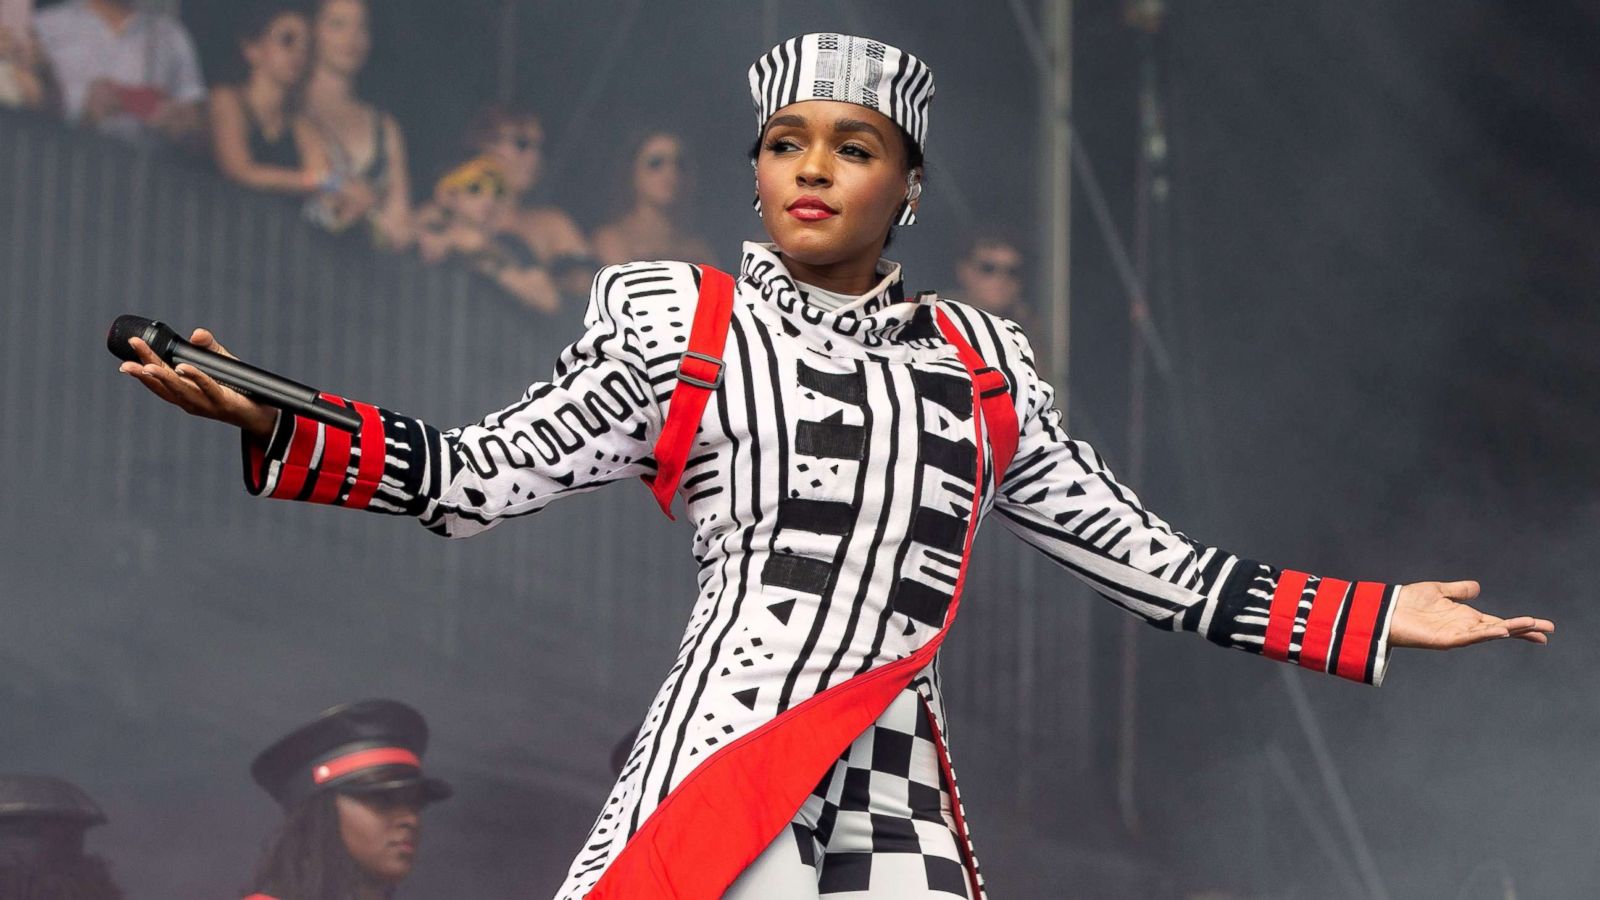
[(811, 209)]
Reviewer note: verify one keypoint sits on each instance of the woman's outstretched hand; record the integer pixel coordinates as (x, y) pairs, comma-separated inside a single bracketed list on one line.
[(1434, 616), (197, 393)]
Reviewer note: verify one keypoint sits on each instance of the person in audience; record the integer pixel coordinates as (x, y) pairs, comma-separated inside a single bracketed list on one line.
[(365, 145), (461, 222), (352, 790), (989, 273), (515, 139), (653, 224), (257, 133), (43, 823), (126, 71), (25, 80)]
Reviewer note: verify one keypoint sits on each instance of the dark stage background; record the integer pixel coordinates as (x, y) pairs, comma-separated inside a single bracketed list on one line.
[(1376, 283)]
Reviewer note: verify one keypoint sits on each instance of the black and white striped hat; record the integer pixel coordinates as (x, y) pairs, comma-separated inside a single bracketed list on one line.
[(851, 69)]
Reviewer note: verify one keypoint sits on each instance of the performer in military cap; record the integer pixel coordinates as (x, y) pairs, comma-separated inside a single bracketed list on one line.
[(43, 822), (352, 788)]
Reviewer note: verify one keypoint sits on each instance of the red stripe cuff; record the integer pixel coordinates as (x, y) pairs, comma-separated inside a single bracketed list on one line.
[(296, 466), (335, 461), (1357, 646), (1285, 606), (373, 452), (1317, 643)]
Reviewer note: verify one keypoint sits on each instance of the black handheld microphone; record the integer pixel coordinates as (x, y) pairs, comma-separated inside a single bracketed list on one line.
[(260, 385)]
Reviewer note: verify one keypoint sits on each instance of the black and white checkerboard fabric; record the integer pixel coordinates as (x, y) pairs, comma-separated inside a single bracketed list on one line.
[(879, 826)]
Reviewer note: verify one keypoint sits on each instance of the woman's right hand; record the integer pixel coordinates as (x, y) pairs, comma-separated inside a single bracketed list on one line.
[(197, 393)]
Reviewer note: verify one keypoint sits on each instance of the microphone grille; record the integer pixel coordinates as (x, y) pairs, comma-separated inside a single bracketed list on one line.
[(123, 328)]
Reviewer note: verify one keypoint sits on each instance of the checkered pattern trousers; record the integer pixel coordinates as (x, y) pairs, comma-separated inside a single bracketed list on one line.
[(879, 826)]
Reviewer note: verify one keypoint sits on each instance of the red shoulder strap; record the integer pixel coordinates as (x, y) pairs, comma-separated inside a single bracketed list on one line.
[(699, 374), (999, 413)]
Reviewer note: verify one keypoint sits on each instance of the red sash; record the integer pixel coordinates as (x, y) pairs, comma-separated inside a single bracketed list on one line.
[(725, 812)]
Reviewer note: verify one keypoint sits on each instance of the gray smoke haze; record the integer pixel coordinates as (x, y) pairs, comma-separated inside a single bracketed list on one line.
[(1383, 244)]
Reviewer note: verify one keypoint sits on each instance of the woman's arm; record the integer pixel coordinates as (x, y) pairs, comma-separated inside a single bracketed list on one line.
[(394, 209), (1059, 496), (594, 422), (230, 129)]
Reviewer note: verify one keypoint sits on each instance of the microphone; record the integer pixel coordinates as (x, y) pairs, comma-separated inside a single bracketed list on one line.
[(258, 384)]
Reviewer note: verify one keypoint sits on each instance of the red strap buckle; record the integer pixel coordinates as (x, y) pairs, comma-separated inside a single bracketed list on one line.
[(711, 382), (991, 382)]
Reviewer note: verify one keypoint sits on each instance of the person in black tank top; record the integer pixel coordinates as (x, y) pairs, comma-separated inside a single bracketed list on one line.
[(259, 138)]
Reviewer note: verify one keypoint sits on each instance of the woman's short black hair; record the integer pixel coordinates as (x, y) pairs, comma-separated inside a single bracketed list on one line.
[(914, 160)]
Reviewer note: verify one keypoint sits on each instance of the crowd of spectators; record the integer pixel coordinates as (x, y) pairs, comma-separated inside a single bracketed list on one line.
[(288, 120)]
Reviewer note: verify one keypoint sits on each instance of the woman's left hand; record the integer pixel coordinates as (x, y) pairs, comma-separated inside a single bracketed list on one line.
[(1433, 616)]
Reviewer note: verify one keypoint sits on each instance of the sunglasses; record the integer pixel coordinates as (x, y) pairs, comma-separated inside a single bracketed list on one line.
[(478, 187), (989, 267), (521, 142)]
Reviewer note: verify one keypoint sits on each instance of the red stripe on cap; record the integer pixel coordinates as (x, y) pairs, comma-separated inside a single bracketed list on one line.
[(1285, 604), (372, 457), (364, 759), (1358, 628), (1318, 639), (335, 460)]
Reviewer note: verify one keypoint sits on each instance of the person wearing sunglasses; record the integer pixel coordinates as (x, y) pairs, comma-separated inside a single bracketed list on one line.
[(515, 138), (653, 219), (461, 223), (258, 136), (989, 272)]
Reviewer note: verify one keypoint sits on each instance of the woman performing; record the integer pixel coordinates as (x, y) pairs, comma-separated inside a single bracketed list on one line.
[(837, 443)]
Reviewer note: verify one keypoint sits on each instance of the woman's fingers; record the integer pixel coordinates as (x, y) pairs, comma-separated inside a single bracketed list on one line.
[(155, 385), (218, 396), (145, 354), (205, 340), (188, 394)]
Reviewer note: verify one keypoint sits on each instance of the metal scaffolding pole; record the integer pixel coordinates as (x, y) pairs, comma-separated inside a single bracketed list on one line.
[(1056, 99), (506, 74)]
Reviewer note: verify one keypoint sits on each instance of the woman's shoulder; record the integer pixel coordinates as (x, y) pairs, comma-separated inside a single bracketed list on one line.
[(645, 278), (1002, 341), (644, 285), (652, 299)]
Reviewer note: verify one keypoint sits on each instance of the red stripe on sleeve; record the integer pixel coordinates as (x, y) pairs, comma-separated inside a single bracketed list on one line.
[(1285, 604), (1356, 648), (335, 460), (1318, 640), (373, 452), (297, 462)]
